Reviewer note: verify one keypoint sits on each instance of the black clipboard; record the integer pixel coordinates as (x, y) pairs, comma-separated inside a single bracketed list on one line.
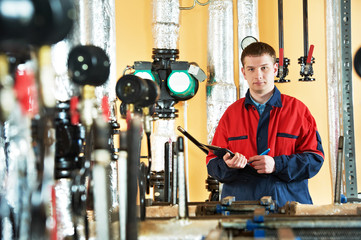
[(218, 151)]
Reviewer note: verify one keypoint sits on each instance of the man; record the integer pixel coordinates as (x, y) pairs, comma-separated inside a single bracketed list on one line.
[(264, 119)]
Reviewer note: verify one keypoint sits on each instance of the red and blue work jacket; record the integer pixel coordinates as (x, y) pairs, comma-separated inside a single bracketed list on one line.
[(287, 127)]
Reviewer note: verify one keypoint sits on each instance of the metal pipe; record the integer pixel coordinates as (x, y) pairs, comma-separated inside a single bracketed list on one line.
[(337, 194), (165, 24), (182, 183), (334, 89), (101, 191), (122, 184), (305, 28), (164, 131), (221, 90), (94, 24), (175, 175), (167, 157), (247, 26), (280, 24), (133, 142)]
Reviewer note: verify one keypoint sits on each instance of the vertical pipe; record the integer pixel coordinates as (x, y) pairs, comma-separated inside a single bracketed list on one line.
[(122, 184), (182, 183), (100, 188), (175, 175), (247, 26), (167, 151), (133, 140), (305, 28), (165, 24), (100, 171), (221, 90), (165, 27), (280, 24), (339, 163), (164, 130), (334, 82)]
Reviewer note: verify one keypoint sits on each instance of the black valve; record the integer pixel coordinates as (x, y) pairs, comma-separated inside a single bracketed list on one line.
[(88, 65), (69, 143), (138, 91), (131, 89), (306, 69), (282, 70), (34, 22)]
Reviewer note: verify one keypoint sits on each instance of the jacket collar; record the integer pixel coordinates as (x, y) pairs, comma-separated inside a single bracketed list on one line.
[(274, 101)]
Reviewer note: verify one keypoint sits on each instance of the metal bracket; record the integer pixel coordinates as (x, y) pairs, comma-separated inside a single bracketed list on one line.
[(347, 102)]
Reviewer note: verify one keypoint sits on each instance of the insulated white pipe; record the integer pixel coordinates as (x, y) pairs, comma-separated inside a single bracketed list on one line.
[(221, 90), (165, 35), (94, 24), (247, 26), (166, 24), (334, 81)]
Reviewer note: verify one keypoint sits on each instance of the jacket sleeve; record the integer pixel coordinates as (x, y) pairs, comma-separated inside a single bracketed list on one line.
[(218, 169), (307, 159)]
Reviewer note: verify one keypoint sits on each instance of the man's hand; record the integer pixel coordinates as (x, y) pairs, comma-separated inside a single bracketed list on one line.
[(262, 163), (238, 161)]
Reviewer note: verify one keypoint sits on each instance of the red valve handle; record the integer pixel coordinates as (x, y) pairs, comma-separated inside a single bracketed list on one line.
[(310, 52)]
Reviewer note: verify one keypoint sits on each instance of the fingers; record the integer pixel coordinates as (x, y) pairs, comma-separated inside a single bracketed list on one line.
[(238, 161), (263, 164)]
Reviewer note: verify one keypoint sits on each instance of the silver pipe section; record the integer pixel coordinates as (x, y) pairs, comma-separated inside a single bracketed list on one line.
[(334, 81), (175, 176), (94, 23), (164, 130), (182, 181), (65, 225), (101, 208), (247, 26), (221, 90), (18, 174), (165, 24), (122, 184)]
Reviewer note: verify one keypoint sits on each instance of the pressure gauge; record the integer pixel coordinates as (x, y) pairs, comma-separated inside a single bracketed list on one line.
[(247, 41)]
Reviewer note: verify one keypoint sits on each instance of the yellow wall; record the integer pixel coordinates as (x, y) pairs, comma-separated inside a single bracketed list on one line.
[(135, 42)]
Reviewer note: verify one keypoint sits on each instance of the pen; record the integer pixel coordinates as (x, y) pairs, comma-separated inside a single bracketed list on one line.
[(265, 152)]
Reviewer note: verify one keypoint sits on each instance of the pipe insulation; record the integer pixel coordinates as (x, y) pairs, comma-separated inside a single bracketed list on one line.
[(18, 174), (94, 24), (221, 90), (164, 130), (247, 26), (65, 225), (165, 24), (334, 81)]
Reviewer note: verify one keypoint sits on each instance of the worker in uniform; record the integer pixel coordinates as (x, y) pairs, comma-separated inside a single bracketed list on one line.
[(266, 119)]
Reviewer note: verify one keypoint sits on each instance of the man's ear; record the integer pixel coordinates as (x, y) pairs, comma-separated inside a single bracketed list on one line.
[(242, 70), (275, 69)]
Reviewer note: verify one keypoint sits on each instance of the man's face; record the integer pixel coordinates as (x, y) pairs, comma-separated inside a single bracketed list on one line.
[(259, 71)]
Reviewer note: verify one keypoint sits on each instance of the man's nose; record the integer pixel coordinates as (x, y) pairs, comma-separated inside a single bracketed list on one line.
[(258, 74)]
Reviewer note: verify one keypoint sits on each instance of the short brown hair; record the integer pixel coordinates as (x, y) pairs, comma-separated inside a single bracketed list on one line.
[(258, 49)]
